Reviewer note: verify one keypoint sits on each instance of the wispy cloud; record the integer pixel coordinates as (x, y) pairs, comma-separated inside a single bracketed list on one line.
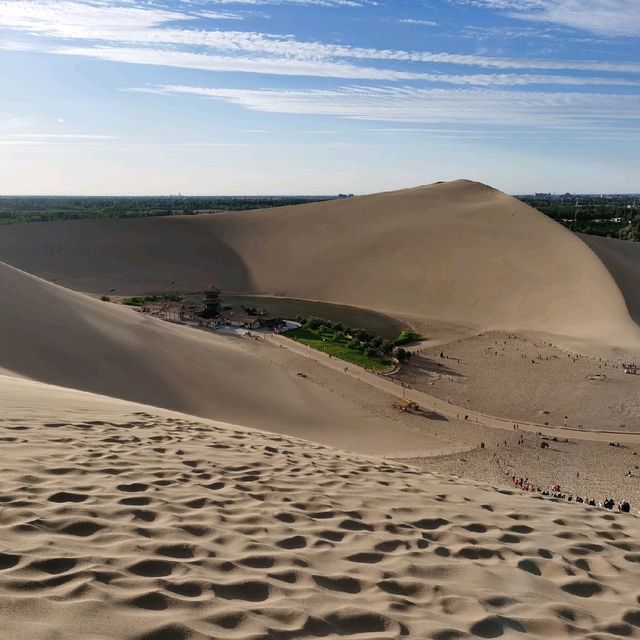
[(303, 3), (59, 136), (220, 15), (147, 34), (55, 139), (424, 23), (604, 17), (324, 68), (434, 106)]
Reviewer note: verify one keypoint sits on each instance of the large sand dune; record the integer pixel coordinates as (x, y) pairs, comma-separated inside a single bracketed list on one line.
[(124, 522), (65, 338), (460, 252)]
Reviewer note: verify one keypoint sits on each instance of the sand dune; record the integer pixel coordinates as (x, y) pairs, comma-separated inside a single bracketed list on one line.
[(123, 522), (65, 338), (460, 252), (622, 258)]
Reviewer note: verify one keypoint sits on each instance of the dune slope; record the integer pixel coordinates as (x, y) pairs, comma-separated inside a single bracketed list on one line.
[(138, 524), (65, 338), (623, 261), (460, 252)]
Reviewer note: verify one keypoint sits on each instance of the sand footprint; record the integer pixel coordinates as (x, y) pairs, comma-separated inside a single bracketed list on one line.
[(64, 496)]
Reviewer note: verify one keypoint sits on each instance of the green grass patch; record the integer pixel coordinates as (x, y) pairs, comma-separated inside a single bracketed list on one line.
[(135, 301), (408, 337), (140, 301), (340, 346)]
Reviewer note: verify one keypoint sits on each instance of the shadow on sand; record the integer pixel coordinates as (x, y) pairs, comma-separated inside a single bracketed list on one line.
[(420, 368)]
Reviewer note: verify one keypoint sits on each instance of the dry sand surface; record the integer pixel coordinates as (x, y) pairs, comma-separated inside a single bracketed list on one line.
[(581, 467), (526, 377), (459, 252), (122, 521), (68, 339)]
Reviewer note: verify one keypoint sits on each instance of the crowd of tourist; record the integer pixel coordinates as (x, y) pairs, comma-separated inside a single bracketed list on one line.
[(555, 492)]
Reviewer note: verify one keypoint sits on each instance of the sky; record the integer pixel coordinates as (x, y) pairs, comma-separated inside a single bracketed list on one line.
[(204, 97)]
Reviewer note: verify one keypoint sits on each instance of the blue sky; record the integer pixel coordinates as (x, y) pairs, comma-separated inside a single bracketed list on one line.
[(318, 96)]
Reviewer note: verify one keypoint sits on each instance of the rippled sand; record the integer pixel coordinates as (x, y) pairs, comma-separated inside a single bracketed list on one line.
[(119, 522)]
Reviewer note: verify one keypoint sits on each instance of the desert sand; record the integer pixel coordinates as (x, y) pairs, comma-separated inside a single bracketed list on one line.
[(121, 521), (529, 379), (623, 261), (460, 252), (68, 339), (161, 482)]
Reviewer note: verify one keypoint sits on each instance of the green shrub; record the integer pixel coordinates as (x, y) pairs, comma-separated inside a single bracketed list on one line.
[(139, 301), (407, 337), (361, 335), (135, 301)]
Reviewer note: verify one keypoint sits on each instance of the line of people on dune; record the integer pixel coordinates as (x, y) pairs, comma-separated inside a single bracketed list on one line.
[(555, 492)]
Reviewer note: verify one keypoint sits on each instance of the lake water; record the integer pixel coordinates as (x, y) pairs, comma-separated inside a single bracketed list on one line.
[(288, 308)]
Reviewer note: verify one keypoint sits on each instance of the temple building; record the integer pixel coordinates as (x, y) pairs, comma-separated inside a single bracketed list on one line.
[(212, 304)]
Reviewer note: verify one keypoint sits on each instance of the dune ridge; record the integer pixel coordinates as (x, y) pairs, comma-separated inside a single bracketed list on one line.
[(460, 252), (123, 522)]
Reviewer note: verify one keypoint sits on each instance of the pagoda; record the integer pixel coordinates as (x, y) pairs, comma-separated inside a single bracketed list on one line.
[(212, 302)]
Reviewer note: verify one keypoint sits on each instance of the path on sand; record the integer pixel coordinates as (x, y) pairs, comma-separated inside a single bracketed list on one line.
[(442, 406)]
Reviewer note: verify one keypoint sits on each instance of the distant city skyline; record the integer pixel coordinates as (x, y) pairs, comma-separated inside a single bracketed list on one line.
[(202, 97)]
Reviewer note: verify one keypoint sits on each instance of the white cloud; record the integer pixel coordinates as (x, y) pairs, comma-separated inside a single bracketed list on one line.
[(207, 62), (435, 106), (425, 23), (220, 15), (604, 17), (54, 139), (60, 136), (67, 18), (322, 68), (125, 27), (305, 3)]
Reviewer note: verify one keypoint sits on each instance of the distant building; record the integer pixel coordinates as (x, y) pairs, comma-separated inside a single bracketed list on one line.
[(240, 319), (212, 302)]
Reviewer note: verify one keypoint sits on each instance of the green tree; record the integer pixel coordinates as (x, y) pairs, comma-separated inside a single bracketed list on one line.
[(387, 347)]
